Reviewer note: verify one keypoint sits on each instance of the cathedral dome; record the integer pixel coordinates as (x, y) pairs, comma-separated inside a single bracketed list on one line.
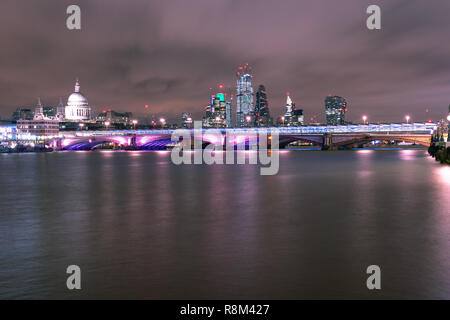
[(77, 108), (77, 98)]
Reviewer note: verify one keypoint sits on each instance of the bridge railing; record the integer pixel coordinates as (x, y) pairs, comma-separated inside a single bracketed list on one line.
[(425, 128)]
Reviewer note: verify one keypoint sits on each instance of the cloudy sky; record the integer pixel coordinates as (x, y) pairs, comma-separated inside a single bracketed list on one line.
[(169, 53)]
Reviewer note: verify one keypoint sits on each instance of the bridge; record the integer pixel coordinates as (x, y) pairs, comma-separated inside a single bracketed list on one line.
[(325, 136)]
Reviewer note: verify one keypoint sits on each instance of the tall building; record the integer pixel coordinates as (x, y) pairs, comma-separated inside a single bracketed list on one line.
[(244, 96), (262, 114), (207, 119), (293, 117), (298, 118), (216, 112), (229, 111), (77, 108), (335, 109)]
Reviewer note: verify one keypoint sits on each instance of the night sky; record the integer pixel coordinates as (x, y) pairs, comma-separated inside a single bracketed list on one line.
[(169, 53)]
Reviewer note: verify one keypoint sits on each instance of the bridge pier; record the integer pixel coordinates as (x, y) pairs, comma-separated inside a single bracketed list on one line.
[(57, 144), (328, 144)]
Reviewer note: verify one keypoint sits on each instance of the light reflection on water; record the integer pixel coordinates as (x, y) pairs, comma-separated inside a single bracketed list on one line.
[(141, 227), (444, 175)]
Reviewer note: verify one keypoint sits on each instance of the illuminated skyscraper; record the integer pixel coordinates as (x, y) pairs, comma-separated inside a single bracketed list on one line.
[(244, 96), (262, 114), (216, 112), (293, 116), (229, 116), (335, 109)]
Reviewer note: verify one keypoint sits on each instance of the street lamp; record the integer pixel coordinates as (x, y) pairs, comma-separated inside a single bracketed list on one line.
[(282, 119), (163, 122), (107, 124), (407, 119), (448, 118), (364, 119), (135, 122), (248, 120), (81, 126)]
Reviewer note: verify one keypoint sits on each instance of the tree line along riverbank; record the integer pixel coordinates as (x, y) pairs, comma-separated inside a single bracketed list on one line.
[(440, 150)]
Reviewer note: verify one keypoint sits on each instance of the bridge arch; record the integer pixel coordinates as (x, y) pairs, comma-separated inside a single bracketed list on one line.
[(421, 140), (79, 144), (316, 140), (159, 144)]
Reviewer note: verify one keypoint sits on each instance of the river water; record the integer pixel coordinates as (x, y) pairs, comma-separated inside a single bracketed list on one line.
[(140, 227)]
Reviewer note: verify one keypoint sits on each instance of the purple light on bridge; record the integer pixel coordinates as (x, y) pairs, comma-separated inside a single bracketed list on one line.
[(67, 142), (141, 140), (216, 139), (121, 140)]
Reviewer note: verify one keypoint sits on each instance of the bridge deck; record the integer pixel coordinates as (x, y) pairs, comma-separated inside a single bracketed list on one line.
[(393, 128), (415, 128)]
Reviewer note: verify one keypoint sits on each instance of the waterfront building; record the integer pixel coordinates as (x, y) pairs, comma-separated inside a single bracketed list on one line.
[(186, 120), (262, 114), (77, 108), (8, 132), (41, 125), (38, 127), (335, 109), (244, 96)]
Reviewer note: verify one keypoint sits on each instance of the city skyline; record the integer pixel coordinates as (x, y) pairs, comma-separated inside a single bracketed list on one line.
[(167, 60), (225, 157)]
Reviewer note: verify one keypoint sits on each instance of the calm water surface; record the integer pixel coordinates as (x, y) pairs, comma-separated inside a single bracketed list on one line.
[(141, 227)]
